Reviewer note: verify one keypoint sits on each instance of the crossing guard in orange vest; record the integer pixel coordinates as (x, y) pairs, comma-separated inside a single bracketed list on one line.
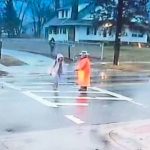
[(83, 69)]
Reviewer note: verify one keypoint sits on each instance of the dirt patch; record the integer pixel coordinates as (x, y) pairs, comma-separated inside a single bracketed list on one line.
[(3, 73), (11, 61), (123, 67)]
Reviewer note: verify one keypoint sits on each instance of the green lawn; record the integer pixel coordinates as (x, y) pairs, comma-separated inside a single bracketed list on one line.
[(127, 53), (10, 61)]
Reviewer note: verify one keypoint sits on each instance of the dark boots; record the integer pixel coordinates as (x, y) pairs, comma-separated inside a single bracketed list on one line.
[(83, 88)]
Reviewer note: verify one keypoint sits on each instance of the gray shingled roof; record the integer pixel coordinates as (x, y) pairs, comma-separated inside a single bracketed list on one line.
[(68, 22)]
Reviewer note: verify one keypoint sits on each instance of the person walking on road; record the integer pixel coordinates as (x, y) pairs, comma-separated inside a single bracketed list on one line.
[(83, 69), (52, 46), (57, 70)]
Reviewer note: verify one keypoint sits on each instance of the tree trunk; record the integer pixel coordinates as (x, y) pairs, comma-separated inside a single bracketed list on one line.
[(57, 4), (74, 13), (118, 32), (74, 16)]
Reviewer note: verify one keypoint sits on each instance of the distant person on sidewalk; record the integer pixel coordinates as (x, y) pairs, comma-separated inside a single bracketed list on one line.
[(1, 48), (83, 69), (52, 46), (57, 70)]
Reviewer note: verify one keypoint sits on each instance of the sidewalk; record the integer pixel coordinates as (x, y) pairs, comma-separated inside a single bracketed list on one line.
[(131, 135), (117, 136)]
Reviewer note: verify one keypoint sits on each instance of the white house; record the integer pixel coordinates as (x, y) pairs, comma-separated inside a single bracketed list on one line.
[(59, 28)]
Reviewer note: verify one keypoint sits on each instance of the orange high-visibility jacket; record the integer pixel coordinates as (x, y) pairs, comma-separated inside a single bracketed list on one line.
[(84, 72)]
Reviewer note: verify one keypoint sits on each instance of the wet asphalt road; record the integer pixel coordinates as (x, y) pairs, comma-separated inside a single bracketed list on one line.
[(23, 113), (20, 113)]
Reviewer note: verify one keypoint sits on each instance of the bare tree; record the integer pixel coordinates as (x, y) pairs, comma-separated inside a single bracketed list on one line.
[(41, 13), (22, 12)]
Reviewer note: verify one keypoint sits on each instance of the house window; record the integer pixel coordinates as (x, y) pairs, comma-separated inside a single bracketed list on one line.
[(64, 30), (60, 30), (91, 31), (87, 31), (134, 35), (66, 13), (95, 31), (104, 33), (124, 34), (56, 30), (50, 30), (140, 35), (110, 32), (63, 14)]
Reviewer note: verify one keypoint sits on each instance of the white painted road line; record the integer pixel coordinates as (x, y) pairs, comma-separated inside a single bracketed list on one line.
[(140, 104), (47, 103), (72, 104), (12, 86), (121, 97), (40, 87), (53, 91), (74, 119), (50, 83), (78, 97), (39, 99)]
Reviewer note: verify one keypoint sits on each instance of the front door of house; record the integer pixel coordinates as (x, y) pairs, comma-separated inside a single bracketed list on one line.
[(71, 33)]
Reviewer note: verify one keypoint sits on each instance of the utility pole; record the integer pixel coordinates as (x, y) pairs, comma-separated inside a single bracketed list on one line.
[(118, 32), (0, 48)]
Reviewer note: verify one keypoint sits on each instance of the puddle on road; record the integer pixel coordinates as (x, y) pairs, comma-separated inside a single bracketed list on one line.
[(10, 130)]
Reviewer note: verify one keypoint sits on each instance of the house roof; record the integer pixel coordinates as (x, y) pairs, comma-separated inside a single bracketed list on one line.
[(80, 7), (83, 20), (68, 22), (142, 27), (64, 8)]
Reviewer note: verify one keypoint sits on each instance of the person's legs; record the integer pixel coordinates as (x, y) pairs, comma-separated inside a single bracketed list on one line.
[(55, 85)]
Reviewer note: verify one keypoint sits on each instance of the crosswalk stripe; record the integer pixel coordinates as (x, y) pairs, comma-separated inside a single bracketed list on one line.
[(121, 97), (112, 93), (74, 119), (39, 99), (72, 104), (45, 83), (53, 91), (78, 97), (12, 86)]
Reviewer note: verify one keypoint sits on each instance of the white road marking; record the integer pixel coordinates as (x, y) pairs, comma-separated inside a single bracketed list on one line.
[(140, 104), (78, 97), (74, 119), (72, 104), (50, 83), (39, 99), (31, 87), (51, 104), (120, 97), (12, 86), (47, 103), (53, 91)]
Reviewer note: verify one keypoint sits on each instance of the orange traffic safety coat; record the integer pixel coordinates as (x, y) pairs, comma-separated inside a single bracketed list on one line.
[(84, 72)]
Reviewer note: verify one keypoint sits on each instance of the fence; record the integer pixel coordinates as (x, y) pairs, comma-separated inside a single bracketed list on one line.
[(71, 50)]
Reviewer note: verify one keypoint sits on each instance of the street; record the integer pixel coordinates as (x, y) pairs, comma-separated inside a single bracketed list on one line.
[(35, 106), (29, 104)]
